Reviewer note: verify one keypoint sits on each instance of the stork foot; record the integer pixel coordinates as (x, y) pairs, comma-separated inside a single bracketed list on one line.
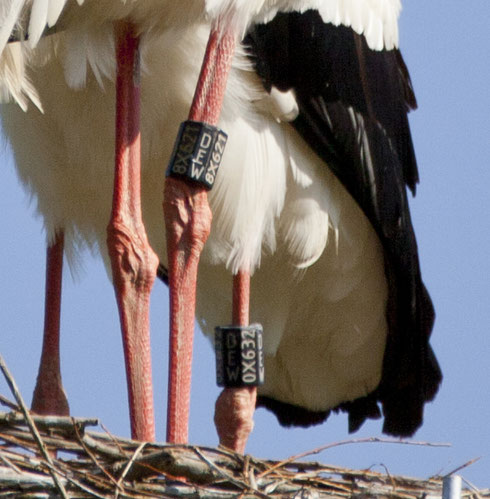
[(49, 398), (233, 417)]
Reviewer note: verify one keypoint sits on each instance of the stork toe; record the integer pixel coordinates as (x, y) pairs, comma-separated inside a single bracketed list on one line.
[(233, 416)]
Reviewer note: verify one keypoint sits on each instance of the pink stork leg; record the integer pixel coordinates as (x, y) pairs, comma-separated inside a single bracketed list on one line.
[(49, 397), (134, 264), (235, 407), (188, 222)]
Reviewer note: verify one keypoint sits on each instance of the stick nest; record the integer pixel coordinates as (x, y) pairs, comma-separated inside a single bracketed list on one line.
[(69, 461)]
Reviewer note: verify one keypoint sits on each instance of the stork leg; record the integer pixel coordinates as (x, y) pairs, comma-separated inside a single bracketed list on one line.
[(235, 407), (188, 222), (134, 264), (49, 397)]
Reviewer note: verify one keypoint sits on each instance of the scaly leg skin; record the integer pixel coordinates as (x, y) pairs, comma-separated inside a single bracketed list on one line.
[(188, 221), (134, 263), (49, 397), (235, 407)]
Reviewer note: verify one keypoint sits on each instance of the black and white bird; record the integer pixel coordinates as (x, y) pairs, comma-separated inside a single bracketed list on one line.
[(311, 196)]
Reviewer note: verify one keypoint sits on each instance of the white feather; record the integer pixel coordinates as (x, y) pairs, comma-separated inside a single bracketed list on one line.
[(14, 83), (38, 20), (54, 10), (377, 20), (9, 16), (282, 105), (90, 47)]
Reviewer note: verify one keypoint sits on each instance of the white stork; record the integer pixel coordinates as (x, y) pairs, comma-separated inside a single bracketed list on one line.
[(310, 197)]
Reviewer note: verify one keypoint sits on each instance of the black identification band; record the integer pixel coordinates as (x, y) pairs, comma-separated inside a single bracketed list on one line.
[(197, 153), (239, 356)]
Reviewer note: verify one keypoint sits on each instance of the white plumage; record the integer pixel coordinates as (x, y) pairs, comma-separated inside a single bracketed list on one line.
[(276, 209), (88, 29), (85, 20)]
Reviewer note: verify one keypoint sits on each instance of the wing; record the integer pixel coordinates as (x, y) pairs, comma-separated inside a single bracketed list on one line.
[(353, 104)]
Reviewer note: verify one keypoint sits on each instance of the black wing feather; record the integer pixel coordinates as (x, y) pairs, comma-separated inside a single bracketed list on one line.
[(353, 105)]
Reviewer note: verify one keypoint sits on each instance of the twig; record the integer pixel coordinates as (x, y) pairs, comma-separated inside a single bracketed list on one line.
[(473, 488), (10, 464), (60, 423), (465, 465), (114, 440), (136, 453), (346, 442), (388, 474), (84, 487), (18, 397), (94, 459), (241, 485), (5, 401), (114, 452)]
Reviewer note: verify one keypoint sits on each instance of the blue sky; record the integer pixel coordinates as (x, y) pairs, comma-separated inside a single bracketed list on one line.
[(446, 47)]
